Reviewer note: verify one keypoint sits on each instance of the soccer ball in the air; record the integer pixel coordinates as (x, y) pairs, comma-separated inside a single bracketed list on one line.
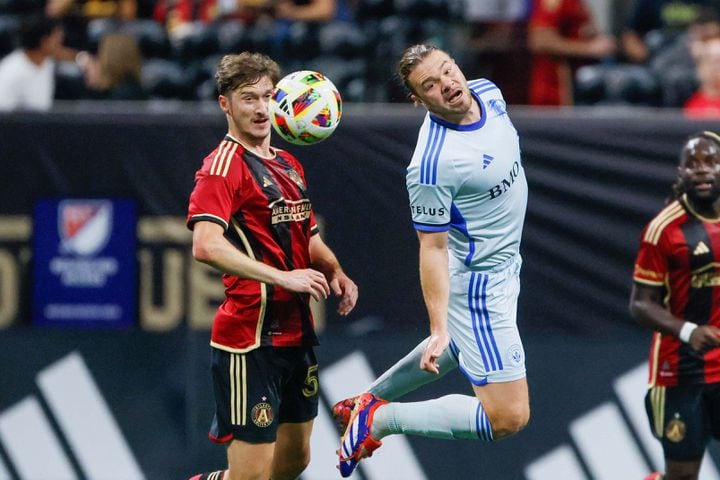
[(305, 107)]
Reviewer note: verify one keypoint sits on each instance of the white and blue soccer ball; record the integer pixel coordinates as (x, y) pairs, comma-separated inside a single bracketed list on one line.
[(305, 107)]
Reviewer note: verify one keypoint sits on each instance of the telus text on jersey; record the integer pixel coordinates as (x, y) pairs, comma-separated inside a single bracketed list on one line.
[(422, 210)]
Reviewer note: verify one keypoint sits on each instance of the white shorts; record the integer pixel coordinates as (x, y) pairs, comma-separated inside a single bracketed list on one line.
[(482, 322)]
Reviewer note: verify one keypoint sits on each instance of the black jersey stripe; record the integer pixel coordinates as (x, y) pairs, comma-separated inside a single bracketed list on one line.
[(699, 304), (307, 328), (281, 233), (272, 192), (691, 365)]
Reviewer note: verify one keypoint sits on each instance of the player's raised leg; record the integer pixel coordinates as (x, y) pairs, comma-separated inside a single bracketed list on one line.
[(403, 377), (498, 411), (507, 406)]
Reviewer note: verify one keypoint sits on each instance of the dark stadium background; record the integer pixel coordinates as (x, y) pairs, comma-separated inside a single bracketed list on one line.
[(595, 177)]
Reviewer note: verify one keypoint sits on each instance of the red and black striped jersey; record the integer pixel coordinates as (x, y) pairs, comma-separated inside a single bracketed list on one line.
[(263, 206), (680, 253)]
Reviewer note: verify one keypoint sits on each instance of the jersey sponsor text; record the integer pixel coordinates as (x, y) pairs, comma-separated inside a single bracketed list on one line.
[(506, 183)]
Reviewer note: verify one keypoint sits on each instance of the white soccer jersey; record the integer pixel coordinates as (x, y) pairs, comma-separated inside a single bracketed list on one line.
[(469, 180)]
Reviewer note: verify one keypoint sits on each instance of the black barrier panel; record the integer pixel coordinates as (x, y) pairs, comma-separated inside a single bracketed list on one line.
[(157, 389), (596, 177)]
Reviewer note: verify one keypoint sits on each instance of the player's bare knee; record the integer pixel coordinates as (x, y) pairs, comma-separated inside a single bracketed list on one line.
[(509, 420)]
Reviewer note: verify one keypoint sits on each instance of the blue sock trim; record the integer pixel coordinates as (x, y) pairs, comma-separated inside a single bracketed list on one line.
[(482, 424)]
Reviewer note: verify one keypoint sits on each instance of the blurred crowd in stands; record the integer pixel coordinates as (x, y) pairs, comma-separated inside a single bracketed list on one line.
[(659, 53)]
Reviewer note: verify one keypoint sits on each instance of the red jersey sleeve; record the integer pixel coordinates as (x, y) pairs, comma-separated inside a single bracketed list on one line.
[(213, 198), (651, 265)]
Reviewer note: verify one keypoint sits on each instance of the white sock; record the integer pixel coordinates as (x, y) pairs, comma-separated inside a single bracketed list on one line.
[(406, 375), (449, 417)]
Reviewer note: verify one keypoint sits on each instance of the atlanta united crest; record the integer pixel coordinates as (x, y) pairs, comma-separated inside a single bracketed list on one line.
[(675, 430), (262, 414)]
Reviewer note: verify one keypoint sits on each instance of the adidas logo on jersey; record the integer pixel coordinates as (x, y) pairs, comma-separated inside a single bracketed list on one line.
[(267, 182), (701, 249), (487, 159)]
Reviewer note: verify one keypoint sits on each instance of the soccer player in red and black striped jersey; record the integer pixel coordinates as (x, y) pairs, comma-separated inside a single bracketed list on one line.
[(252, 220), (676, 292)]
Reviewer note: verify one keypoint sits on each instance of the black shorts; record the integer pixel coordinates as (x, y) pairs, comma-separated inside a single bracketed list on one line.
[(257, 390), (684, 419)]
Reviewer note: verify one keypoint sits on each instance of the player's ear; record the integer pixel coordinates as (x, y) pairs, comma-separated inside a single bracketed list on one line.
[(224, 103), (416, 100)]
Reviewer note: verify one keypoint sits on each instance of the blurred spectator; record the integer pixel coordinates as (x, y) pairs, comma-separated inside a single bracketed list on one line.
[(115, 73), (562, 35), (305, 11), (495, 10), (184, 18), (90, 9), (655, 23), (705, 103), (668, 77), (296, 28), (27, 74), (496, 46), (78, 17), (674, 66)]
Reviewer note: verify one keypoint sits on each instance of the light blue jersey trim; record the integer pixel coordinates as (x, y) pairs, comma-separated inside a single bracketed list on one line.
[(482, 86), (474, 381), (458, 222), (429, 163), (424, 227), (481, 322), (480, 83), (488, 88)]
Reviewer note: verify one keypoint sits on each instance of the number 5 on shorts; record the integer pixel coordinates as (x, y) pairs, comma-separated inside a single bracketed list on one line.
[(311, 382)]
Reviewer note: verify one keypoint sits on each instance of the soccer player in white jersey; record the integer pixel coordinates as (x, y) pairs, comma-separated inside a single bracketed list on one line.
[(468, 196)]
